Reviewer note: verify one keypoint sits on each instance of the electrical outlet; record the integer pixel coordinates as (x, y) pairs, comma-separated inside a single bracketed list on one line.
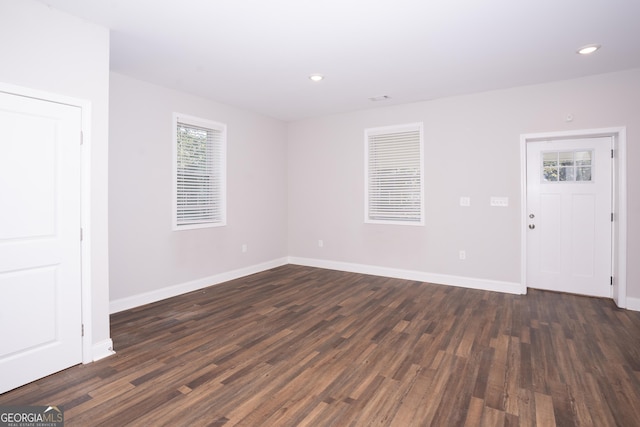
[(321, 243), (463, 255), (465, 201), (244, 248)]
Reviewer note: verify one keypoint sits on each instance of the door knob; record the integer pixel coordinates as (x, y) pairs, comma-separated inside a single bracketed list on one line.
[(532, 226)]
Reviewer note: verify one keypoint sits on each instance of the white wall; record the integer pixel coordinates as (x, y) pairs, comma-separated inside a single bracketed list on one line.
[(148, 260), (53, 52), (471, 149)]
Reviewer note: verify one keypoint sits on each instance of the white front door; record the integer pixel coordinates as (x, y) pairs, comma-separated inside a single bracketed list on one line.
[(40, 282), (569, 215)]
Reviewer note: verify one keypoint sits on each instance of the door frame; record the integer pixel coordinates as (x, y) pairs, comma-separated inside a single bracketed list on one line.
[(619, 202), (85, 201)]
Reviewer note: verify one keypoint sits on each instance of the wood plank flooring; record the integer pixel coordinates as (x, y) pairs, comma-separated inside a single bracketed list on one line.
[(299, 346)]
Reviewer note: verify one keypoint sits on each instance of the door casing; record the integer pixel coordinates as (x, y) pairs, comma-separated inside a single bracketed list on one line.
[(85, 202), (619, 194)]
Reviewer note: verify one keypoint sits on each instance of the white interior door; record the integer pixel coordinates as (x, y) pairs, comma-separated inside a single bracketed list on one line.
[(569, 215), (40, 282)]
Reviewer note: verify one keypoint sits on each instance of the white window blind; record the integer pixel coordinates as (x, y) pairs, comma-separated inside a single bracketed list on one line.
[(200, 151), (394, 176)]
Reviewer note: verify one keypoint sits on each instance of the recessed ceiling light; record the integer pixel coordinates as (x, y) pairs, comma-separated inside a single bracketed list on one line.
[(316, 77), (588, 49)]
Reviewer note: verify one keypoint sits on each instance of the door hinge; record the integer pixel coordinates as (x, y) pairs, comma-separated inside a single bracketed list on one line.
[(611, 281), (81, 138), (611, 216), (612, 153), (81, 234), (82, 329)]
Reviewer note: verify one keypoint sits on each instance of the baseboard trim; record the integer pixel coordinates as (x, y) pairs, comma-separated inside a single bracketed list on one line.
[(105, 348), (127, 303), (102, 349), (633, 304), (441, 279)]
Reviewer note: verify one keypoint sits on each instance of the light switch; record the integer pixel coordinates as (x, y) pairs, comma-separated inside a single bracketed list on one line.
[(501, 202), (465, 201)]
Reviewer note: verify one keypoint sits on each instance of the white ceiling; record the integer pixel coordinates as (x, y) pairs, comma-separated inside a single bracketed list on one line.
[(258, 54)]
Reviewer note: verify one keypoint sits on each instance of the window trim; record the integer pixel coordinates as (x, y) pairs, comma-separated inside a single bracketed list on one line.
[(222, 169), (417, 126)]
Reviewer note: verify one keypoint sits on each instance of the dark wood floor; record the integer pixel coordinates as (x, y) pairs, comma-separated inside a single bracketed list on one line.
[(298, 346)]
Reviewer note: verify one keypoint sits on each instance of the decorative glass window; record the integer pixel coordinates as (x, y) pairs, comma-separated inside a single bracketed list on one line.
[(567, 166)]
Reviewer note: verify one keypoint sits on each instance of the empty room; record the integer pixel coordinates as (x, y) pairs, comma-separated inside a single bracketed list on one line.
[(346, 213)]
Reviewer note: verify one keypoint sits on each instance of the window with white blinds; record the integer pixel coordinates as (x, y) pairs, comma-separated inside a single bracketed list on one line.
[(394, 175), (199, 165)]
